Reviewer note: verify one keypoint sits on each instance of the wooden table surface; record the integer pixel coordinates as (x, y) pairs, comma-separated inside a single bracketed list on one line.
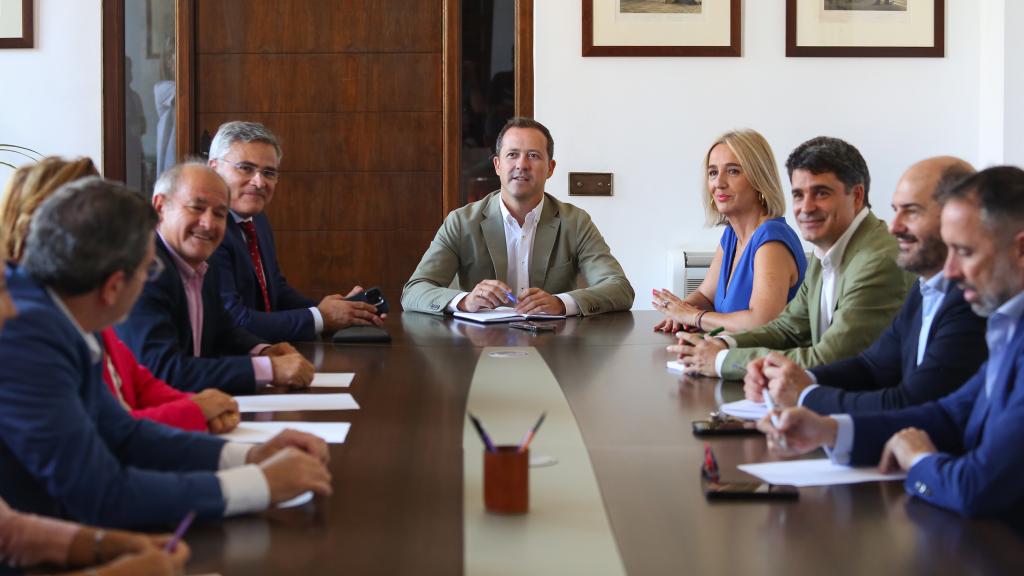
[(397, 503)]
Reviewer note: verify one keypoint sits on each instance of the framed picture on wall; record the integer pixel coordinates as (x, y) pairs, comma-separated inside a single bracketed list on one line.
[(16, 23), (865, 28), (159, 27), (661, 27)]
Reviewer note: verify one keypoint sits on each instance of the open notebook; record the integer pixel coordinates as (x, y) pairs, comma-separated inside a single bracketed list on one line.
[(504, 314)]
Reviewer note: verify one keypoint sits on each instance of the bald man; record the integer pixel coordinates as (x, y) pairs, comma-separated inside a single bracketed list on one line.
[(935, 343)]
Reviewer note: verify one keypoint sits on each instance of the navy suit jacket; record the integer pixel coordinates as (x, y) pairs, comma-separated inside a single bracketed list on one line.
[(159, 333), (67, 447), (290, 318), (979, 467), (886, 375)]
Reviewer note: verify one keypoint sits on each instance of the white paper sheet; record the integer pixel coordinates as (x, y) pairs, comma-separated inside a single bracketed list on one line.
[(299, 500), (332, 379), (820, 472), (675, 366), (745, 409), (259, 432), (503, 314), (294, 402)]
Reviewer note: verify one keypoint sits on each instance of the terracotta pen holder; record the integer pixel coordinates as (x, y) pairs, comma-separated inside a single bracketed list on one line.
[(507, 480)]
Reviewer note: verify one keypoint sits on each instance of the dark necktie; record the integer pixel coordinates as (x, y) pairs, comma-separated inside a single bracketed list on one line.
[(249, 229)]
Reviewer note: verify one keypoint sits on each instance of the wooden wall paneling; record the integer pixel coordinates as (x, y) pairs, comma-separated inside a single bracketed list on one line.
[(524, 58), (452, 98), (187, 139), (113, 91)]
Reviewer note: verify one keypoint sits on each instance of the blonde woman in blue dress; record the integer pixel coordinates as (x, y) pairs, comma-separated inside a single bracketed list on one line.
[(759, 263)]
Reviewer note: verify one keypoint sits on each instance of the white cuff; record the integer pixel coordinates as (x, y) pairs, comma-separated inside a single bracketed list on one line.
[(840, 452), (245, 489), (918, 458), (233, 455), (729, 341), (318, 319), (719, 361), (571, 308), (453, 306), (806, 391)]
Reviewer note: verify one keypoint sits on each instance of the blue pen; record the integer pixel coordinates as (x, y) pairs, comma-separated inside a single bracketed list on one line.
[(480, 430), (511, 298)]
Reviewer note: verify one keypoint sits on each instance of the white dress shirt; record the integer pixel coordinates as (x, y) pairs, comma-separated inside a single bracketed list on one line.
[(244, 487), (519, 246)]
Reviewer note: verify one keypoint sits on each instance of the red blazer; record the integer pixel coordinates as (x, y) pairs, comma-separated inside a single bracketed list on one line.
[(148, 396)]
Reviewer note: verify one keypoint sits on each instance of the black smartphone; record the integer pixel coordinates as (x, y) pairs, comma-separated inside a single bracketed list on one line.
[(532, 326), (372, 296), (724, 427), (749, 491)]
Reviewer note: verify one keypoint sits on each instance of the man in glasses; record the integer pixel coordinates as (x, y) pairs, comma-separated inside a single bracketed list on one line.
[(246, 155)]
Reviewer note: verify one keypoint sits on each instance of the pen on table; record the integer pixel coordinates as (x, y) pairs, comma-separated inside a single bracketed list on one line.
[(714, 332), (770, 404), (528, 437), (710, 463), (182, 528), (483, 434)]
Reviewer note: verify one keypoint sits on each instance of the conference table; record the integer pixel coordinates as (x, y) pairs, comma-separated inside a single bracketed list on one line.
[(398, 502)]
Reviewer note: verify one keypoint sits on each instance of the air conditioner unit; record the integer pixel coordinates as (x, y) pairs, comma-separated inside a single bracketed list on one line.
[(687, 269)]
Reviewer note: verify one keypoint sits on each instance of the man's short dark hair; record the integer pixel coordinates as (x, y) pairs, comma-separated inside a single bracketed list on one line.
[(824, 154), (85, 232), (524, 122), (1000, 192)]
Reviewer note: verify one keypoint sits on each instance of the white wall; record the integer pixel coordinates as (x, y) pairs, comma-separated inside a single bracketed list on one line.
[(650, 120), (1014, 85), (51, 99)]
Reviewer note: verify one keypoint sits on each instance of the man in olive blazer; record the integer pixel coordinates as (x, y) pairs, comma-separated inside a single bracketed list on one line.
[(519, 246), (852, 289)]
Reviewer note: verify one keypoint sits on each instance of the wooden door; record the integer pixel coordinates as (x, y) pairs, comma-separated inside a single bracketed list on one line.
[(354, 90)]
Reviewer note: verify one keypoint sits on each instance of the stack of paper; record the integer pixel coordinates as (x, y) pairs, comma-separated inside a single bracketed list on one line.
[(295, 402), (504, 314), (745, 409), (820, 472)]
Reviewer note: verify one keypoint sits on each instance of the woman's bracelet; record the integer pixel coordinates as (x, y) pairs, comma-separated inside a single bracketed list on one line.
[(699, 316)]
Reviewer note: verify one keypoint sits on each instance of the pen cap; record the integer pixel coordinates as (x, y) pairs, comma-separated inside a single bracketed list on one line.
[(507, 480)]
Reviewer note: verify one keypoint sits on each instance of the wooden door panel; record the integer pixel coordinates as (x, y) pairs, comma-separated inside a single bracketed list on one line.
[(246, 26), (357, 201), (320, 82)]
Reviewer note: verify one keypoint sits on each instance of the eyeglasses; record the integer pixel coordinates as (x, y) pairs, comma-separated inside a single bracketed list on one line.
[(155, 269), (248, 169)]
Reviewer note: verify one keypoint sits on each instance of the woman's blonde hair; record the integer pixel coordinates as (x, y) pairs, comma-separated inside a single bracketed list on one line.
[(758, 163), (28, 188)]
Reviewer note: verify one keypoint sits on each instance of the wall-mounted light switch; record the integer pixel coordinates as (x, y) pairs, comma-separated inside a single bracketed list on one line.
[(590, 183)]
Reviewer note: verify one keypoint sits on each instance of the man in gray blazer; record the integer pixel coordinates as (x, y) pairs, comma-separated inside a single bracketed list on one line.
[(519, 246)]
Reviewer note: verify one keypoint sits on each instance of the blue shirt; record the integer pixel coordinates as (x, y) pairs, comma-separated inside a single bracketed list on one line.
[(933, 291), (734, 295), (1001, 326)]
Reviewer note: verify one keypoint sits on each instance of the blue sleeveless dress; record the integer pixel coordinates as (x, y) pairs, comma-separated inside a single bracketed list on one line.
[(735, 295)]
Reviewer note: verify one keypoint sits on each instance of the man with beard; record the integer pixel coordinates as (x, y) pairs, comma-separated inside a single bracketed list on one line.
[(851, 290), (962, 452), (935, 343), (519, 246)]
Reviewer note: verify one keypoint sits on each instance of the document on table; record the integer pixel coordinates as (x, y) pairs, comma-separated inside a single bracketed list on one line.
[(675, 366), (332, 379), (294, 402), (745, 409), (503, 314), (260, 432), (819, 472)]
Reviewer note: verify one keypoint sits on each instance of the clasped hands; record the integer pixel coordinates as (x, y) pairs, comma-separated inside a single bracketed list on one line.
[(490, 294), (293, 462), (801, 430), (697, 353)]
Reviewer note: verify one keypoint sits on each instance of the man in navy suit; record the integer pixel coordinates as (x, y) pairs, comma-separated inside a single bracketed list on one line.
[(255, 292), (961, 452), (935, 342), (179, 328), (67, 447)]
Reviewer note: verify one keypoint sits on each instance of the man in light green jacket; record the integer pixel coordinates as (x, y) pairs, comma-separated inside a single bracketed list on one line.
[(852, 289), (519, 246)]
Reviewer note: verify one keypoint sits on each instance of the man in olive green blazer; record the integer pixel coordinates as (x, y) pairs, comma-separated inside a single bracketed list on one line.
[(852, 289), (519, 246)]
